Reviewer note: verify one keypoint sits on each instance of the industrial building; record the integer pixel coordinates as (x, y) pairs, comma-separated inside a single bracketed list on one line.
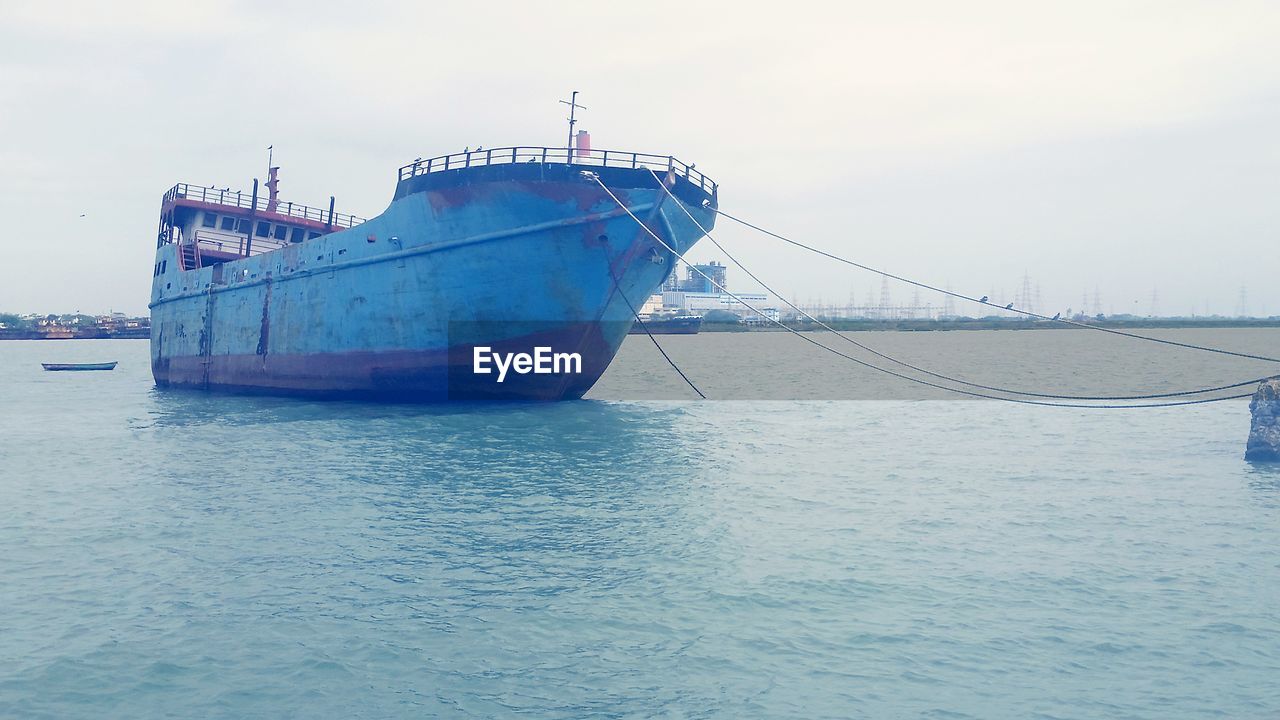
[(701, 290), (696, 279), (700, 303)]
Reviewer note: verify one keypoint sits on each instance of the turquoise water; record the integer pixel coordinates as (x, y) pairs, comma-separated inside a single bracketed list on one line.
[(182, 555)]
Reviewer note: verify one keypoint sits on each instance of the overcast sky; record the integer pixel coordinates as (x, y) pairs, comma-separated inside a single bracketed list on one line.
[(1129, 147)]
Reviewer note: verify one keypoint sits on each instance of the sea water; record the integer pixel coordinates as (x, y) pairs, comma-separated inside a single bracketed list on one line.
[(177, 554)]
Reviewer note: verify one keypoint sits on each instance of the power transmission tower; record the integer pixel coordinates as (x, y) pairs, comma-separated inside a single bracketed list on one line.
[(884, 298)]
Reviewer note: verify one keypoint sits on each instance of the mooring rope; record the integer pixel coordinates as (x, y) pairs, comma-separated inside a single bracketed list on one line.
[(949, 378), (636, 315), (1065, 321), (887, 371)]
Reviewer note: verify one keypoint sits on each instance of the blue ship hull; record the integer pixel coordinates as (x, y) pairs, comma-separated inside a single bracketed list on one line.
[(507, 257)]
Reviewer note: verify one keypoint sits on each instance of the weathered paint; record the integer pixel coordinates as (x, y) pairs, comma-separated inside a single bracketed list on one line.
[(507, 257)]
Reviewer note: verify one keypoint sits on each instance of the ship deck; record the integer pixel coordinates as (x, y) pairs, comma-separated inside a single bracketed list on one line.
[(529, 163), (212, 225)]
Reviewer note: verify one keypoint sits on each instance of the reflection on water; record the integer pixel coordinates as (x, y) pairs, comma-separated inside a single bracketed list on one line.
[(422, 464), (568, 438), (1264, 478)]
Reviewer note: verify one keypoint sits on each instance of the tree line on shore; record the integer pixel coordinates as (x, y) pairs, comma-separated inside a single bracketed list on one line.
[(71, 325)]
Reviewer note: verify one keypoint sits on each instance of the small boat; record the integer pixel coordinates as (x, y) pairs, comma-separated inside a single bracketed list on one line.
[(79, 366), (668, 325)]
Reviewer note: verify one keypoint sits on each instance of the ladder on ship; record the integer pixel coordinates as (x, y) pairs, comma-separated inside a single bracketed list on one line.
[(190, 256)]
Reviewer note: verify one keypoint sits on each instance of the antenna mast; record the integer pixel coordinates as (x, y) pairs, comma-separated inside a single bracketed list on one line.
[(572, 102)]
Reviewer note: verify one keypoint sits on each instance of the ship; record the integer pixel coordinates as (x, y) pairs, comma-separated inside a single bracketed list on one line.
[(667, 325), (530, 254)]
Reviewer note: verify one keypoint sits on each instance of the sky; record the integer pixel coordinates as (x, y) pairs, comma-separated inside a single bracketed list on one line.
[(1118, 148)]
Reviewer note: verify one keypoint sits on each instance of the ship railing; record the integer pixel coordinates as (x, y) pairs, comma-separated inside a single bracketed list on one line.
[(243, 200), (230, 243), (569, 156)]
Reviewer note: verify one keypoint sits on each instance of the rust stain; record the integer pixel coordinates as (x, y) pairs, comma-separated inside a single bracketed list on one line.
[(206, 339), (454, 197), (264, 333), (585, 197)]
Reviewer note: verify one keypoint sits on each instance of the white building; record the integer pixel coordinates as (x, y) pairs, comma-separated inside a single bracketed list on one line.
[(702, 302), (652, 305), (767, 316)]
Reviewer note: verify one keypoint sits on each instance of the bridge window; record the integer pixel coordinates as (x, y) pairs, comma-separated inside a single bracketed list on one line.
[(298, 235), (263, 229), (242, 225), (313, 235), (281, 232), (228, 223), (209, 220)]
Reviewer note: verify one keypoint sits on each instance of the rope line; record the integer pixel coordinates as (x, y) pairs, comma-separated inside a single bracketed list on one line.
[(635, 314), (926, 286), (887, 371), (958, 381)]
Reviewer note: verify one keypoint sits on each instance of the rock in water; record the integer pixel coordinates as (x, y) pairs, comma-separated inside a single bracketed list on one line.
[(1264, 433)]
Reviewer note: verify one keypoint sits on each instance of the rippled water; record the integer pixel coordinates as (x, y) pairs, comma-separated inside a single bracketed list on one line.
[(170, 554)]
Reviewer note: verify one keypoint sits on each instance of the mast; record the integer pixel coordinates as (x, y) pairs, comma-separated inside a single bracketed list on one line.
[(273, 188), (273, 183), (572, 102)]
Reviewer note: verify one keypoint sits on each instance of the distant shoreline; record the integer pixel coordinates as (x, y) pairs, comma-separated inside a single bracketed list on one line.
[(93, 334), (991, 324), (802, 326)]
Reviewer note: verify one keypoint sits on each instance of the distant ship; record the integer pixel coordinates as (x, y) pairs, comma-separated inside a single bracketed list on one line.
[(509, 250), (668, 325)]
